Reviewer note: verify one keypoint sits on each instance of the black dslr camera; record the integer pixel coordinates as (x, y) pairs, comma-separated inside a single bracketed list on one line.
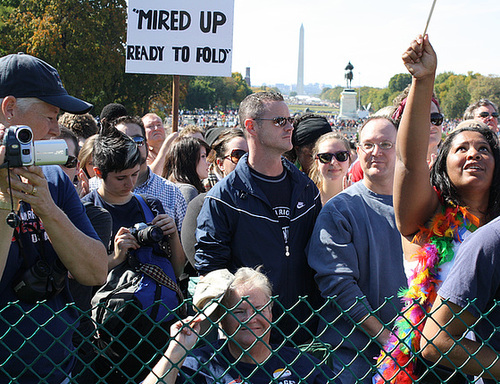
[(22, 151), (146, 234), (40, 282)]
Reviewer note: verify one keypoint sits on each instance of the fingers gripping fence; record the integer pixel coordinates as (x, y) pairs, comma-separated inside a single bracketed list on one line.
[(225, 351)]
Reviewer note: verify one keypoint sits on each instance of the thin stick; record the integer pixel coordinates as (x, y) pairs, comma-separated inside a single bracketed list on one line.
[(429, 18)]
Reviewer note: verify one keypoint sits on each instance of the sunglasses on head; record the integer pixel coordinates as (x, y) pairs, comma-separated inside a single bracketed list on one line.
[(484, 115), (279, 121), (71, 162), (437, 118), (326, 158), (235, 155), (139, 140)]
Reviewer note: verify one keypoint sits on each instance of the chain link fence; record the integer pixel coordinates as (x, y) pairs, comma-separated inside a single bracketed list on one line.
[(128, 352)]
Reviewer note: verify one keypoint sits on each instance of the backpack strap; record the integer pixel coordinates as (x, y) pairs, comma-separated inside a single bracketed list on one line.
[(146, 209)]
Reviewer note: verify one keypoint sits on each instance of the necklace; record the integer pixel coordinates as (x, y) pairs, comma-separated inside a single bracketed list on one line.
[(397, 361)]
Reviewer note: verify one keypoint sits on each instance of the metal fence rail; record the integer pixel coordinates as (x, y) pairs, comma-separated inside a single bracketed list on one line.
[(131, 353)]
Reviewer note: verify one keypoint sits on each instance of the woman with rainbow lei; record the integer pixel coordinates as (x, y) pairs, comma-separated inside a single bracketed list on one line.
[(433, 218)]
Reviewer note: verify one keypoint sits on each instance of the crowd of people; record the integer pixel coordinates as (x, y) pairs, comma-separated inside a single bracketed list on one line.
[(262, 209)]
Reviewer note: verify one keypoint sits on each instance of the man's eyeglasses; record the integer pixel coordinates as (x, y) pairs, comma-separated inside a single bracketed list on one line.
[(485, 114), (326, 158), (139, 140), (235, 155), (368, 147), (72, 162), (279, 121), (437, 119)]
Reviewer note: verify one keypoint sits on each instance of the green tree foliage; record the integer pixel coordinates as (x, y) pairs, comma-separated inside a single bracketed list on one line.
[(456, 99), (85, 40), (204, 92), (485, 87), (331, 94), (399, 82)]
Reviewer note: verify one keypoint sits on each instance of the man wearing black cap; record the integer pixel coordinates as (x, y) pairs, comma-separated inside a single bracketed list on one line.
[(307, 129), (53, 235)]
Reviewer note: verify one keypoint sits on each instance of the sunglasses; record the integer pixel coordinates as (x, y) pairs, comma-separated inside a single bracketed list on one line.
[(326, 158), (437, 118), (235, 155), (72, 162), (139, 140), (280, 121), (484, 115)]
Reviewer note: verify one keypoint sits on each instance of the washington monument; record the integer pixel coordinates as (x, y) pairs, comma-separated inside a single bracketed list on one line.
[(300, 71)]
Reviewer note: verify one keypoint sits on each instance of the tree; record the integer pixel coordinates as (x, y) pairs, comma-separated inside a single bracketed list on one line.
[(485, 87), (399, 82), (456, 100)]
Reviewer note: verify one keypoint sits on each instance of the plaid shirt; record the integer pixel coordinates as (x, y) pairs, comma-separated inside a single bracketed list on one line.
[(170, 196)]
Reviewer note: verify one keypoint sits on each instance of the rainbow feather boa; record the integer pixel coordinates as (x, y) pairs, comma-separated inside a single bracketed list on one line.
[(397, 361)]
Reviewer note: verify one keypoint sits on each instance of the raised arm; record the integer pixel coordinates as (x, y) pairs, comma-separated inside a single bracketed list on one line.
[(414, 198), (184, 335), (158, 163)]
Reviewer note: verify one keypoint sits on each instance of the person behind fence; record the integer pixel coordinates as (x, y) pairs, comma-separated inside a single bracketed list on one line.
[(434, 217), (263, 213), (245, 355), (469, 299), (48, 233), (356, 252), (145, 259)]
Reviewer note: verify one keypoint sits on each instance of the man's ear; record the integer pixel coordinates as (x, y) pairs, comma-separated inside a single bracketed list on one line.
[(98, 172), (220, 164), (8, 107), (250, 126)]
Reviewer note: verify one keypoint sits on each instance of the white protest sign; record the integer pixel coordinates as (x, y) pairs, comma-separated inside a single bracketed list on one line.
[(180, 37)]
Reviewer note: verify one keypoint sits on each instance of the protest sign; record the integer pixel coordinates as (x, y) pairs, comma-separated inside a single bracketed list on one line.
[(180, 37)]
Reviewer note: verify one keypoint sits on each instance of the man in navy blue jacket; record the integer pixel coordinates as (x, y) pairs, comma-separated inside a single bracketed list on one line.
[(263, 213)]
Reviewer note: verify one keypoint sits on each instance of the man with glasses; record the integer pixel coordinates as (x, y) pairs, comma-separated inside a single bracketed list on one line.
[(263, 213), (356, 251), (484, 111)]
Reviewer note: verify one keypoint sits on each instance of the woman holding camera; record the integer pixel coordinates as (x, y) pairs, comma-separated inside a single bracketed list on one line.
[(144, 264)]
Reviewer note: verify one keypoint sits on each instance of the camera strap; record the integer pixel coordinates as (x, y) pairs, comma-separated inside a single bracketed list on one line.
[(153, 271), (36, 232)]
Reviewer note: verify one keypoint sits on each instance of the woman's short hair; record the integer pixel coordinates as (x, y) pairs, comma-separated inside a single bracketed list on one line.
[(253, 278), (182, 159), (441, 181)]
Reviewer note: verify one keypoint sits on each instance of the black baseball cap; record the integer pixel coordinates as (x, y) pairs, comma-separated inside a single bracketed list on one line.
[(23, 75)]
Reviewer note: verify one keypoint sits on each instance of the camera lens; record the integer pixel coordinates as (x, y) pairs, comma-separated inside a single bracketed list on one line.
[(24, 135)]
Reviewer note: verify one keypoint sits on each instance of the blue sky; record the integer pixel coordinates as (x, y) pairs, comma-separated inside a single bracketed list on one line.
[(370, 34)]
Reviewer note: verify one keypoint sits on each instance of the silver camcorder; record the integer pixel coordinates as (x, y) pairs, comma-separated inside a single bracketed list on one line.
[(22, 151)]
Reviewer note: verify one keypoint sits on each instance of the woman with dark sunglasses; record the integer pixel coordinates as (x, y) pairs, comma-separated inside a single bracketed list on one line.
[(332, 159), (227, 150)]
